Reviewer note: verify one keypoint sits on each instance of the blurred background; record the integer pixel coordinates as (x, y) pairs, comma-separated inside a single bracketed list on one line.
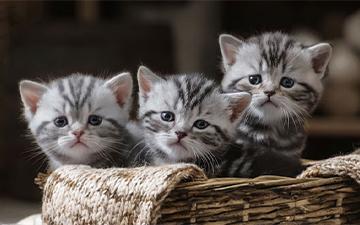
[(42, 40)]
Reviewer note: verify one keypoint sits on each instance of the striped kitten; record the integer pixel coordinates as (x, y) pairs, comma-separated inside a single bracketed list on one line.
[(285, 80), (186, 119), (80, 119)]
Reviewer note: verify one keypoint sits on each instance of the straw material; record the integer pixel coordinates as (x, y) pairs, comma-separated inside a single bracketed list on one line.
[(81, 195), (264, 200)]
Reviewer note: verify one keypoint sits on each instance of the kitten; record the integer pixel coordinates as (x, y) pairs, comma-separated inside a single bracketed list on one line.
[(285, 80), (186, 119), (80, 119)]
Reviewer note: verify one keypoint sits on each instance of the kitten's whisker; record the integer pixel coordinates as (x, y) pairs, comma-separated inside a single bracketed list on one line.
[(142, 141), (147, 152), (107, 140), (103, 153)]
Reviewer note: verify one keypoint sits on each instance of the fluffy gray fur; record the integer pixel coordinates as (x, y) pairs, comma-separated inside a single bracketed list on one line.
[(285, 80), (80, 119), (188, 99)]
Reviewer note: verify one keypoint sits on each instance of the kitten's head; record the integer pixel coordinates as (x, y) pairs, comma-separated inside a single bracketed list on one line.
[(78, 117), (185, 117), (283, 76)]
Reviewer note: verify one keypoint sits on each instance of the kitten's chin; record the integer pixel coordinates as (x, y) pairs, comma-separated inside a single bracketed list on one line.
[(79, 146), (175, 152), (78, 151), (75, 146), (178, 147), (268, 113)]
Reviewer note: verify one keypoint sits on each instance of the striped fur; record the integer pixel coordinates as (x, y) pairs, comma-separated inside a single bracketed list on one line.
[(276, 126), (256, 162), (77, 97), (190, 98)]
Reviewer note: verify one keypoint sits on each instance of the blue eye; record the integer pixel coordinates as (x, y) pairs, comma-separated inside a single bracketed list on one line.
[(255, 79), (60, 121), (201, 124), (167, 116), (287, 82), (95, 120)]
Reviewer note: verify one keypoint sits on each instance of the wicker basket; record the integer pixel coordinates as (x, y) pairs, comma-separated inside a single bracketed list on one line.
[(264, 200), (160, 195)]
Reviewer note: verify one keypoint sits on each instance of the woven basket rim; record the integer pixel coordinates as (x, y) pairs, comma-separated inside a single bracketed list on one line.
[(261, 181)]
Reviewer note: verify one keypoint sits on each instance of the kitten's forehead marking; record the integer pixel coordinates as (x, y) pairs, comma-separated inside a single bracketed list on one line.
[(191, 96), (270, 54), (87, 93), (276, 50), (189, 91), (75, 92)]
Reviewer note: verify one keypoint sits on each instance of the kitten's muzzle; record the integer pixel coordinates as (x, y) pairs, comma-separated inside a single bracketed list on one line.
[(180, 135), (78, 133), (269, 93), (268, 101)]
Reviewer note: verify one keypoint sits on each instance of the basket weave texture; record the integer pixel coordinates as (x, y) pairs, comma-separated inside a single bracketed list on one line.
[(264, 200), (82, 195)]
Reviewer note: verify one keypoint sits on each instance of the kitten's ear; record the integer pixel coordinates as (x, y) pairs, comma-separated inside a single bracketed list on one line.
[(146, 79), (122, 86), (320, 56), (238, 103), (31, 93), (229, 46)]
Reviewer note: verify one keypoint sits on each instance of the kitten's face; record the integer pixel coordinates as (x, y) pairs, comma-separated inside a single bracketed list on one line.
[(185, 117), (283, 77), (78, 117)]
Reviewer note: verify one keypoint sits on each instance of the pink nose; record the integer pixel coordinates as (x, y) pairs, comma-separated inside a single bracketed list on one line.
[(269, 93), (180, 134), (78, 133)]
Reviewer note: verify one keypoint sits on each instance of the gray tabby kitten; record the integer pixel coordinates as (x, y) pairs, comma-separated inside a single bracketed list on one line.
[(80, 119), (285, 80), (186, 119)]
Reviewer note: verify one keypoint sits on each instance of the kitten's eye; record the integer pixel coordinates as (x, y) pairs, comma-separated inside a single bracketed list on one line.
[(167, 116), (94, 120), (201, 124), (287, 82), (61, 121), (255, 79)]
